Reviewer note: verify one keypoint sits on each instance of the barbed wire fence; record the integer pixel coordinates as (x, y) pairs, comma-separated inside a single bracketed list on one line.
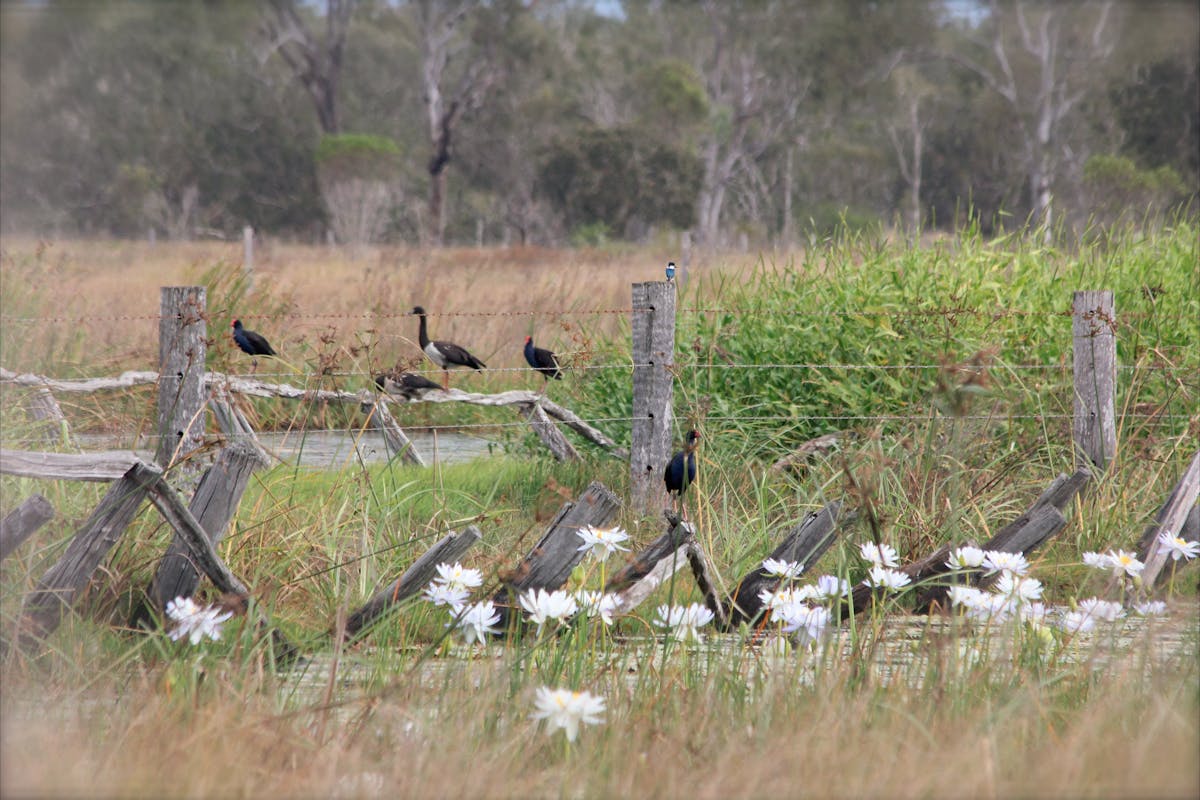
[(1157, 359)]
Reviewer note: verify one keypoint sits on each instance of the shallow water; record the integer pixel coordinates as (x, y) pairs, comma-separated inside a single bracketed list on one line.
[(329, 449)]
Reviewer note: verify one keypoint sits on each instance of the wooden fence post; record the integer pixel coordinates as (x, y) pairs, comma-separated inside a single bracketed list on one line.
[(181, 394), (248, 255), (1094, 328), (653, 392)]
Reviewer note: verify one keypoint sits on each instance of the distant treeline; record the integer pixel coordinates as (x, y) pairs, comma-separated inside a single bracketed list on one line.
[(442, 121)]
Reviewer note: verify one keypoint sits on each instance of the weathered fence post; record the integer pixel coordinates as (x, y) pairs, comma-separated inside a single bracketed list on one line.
[(19, 524), (1094, 328), (44, 408), (181, 395), (58, 588), (653, 392)]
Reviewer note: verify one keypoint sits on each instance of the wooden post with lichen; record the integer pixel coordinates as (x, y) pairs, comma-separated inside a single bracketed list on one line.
[(1094, 328), (181, 395), (653, 327)]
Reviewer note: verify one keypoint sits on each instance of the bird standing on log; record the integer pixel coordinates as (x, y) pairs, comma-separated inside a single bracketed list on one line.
[(681, 471), (543, 361), (408, 385), (444, 354), (251, 343)]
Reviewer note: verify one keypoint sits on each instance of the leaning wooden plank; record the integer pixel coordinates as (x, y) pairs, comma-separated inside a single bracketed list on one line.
[(213, 505), (233, 423), (1060, 492), (706, 580), (651, 556), (806, 542), (552, 437), (19, 524), (100, 466), (550, 562), (573, 421), (379, 417), (45, 410), (1169, 521), (634, 595), (449, 549), (171, 506), (62, 583)]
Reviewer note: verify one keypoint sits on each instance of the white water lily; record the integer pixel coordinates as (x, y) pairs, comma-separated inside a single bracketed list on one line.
[(544, 606), (458, 576), (1019, 588), (789, 570), (1125, 563), (1097, 560), (602, 542), (890, 579), (1151, 608), (1101, 610), (565, 709), (966, 557), (478, 621), (883, 555), (782, 596), (444, 594), (999, 561), (598, 604), (1178, 547), (808, 622), (685, 622), (195, 622), (1076, 622)]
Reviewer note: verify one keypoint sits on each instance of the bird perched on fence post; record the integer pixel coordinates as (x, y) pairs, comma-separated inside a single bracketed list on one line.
[(543, 361), (444, 354), (670, 272), (681, 470), (251, 343)]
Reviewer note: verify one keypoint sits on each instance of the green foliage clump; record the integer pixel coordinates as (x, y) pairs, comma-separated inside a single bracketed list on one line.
[(1118, 187), (862, 332), (357, 155)]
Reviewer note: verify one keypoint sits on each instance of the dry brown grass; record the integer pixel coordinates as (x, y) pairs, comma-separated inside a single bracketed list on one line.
[(349, 296), (1125, 738)]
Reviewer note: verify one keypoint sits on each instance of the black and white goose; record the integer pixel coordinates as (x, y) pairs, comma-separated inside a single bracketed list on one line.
[(444, 354)]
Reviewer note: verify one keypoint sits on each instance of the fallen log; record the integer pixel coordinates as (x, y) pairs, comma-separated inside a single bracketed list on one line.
[(552, 437), (447, 550), (652, 567), (45, 410), (381, 419)]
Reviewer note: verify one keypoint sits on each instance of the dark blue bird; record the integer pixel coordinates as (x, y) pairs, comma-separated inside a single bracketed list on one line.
[(670, 271), (542, 360), (251, 343), (680, 473)]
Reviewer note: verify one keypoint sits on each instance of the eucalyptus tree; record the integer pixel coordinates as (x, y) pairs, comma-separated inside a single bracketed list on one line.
[(1042, 58)]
